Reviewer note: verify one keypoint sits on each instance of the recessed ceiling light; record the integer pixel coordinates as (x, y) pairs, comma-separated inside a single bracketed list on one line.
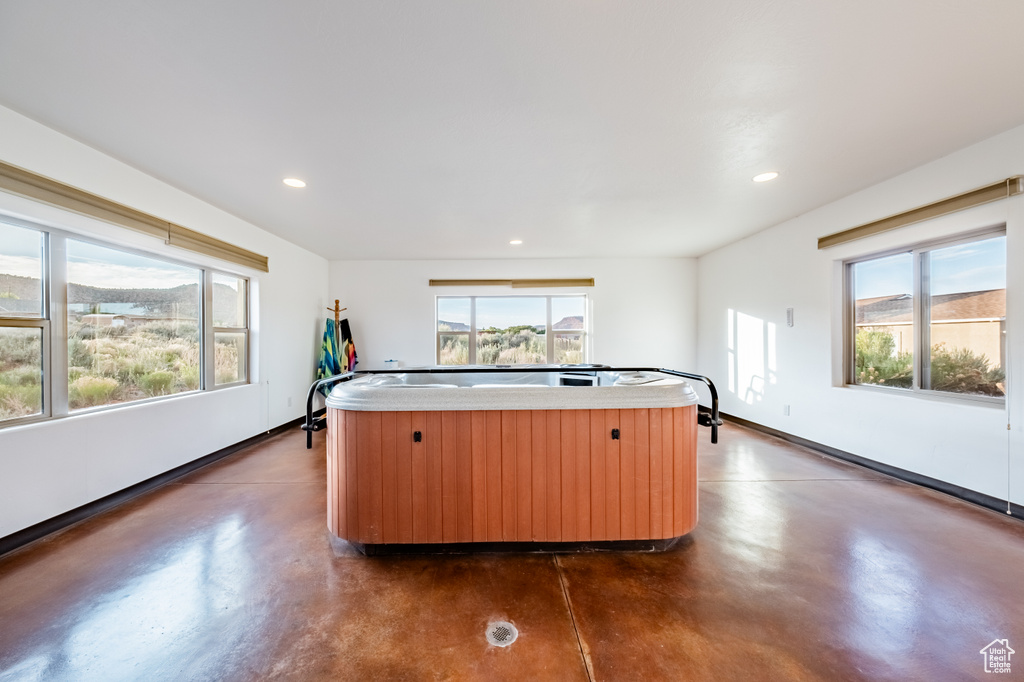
[(516, 242), (765, 177), (294, 182)]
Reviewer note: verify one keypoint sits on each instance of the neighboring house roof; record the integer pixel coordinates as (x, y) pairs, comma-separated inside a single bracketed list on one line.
[(899, 309)]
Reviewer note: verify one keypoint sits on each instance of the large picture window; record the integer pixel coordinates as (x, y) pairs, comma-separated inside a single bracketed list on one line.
[(136, 327), (511, 330), (133, 326), (931, 318)]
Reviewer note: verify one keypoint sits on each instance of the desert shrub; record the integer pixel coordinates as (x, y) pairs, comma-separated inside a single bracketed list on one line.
[(156, 383), (513, 346), (19, 349), (189, 376), (171, 329), (877, 361), (83, 331), (959, 370), (455, 350), (91, 390), (19, 400), (226, 363), (568, 350), (78, 352), (956, 370)]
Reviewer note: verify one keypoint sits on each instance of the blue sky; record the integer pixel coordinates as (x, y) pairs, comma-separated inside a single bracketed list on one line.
[(976, 266), (507, 311), (21, 254)]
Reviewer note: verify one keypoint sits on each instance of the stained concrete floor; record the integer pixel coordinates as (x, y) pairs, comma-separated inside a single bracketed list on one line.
[(801, 568)]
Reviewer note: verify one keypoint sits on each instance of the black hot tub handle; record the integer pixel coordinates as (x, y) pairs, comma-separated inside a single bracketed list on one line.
[(706, 416), (318, 422)]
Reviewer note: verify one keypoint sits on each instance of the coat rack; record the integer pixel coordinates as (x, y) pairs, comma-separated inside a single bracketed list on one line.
[(337, 314)]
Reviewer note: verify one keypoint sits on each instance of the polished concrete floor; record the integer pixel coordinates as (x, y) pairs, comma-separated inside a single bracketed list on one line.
[(801, 568)]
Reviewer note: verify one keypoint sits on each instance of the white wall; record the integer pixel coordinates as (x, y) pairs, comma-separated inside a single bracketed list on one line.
[(643, 310), (760, 364), (51, 467)]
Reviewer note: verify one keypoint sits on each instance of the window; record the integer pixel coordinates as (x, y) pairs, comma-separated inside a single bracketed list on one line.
[(24, 328), (133, 326), (511, 330), (230, 329), (136, 327), (931, 318)]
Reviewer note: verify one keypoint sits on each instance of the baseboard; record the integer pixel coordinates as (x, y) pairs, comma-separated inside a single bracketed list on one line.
[(965, 494), (40, 530)]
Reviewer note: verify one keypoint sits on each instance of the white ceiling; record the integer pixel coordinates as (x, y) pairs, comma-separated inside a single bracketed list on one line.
[(442, 129)]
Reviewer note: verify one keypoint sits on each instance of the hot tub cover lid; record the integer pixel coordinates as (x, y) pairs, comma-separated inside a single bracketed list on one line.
[(388, 393)]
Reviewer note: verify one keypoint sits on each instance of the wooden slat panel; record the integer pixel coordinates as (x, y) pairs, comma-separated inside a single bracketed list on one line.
[(642, 482), (538, 466), (627, 469), (419, 479), (435, 489), (389, 464), (494, 489), (668, 493), (370, 477), (351, 477), (656, 474), (543, 475), (554, 475), (341, 477), (679, 497), (464, 476), (598, 477), (524, 476), (583, 519), (568, 457), (690, 466), (332, 480), (479, 426), (449, 477), (508, 475), (404, 457), (611, 472)]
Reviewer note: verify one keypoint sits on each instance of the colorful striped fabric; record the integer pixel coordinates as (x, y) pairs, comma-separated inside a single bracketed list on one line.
[(348, 347), (328, 365)]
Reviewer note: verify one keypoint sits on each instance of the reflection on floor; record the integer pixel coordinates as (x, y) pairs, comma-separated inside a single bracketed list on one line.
[(801, 568)]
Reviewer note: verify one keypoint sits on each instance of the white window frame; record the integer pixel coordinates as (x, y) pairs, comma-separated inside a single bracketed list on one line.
[(41, 322), (549, 332), (54, 324), (920, 317), (210, 333)]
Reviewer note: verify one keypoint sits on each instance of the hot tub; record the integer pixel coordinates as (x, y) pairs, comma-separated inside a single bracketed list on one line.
[(541, 455)]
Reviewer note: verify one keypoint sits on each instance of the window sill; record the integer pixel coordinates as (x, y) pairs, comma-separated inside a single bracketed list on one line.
[(935, 396)]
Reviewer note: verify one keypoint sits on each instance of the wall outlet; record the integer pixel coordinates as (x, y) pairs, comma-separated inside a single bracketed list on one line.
[(785, 410), (290, 402), (789, 317)]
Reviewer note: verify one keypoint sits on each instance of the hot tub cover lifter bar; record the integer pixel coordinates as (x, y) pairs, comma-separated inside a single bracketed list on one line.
[(707, 416)]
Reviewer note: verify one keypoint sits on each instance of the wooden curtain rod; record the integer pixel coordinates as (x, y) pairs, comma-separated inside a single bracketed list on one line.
[(514, 283), (25, 183), (976, 197)]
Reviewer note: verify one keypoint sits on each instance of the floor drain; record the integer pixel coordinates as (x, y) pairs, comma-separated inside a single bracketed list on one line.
[(501, 633)]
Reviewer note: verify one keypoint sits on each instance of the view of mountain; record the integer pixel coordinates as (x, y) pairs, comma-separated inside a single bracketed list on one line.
[(182, 300), (570, 322)]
